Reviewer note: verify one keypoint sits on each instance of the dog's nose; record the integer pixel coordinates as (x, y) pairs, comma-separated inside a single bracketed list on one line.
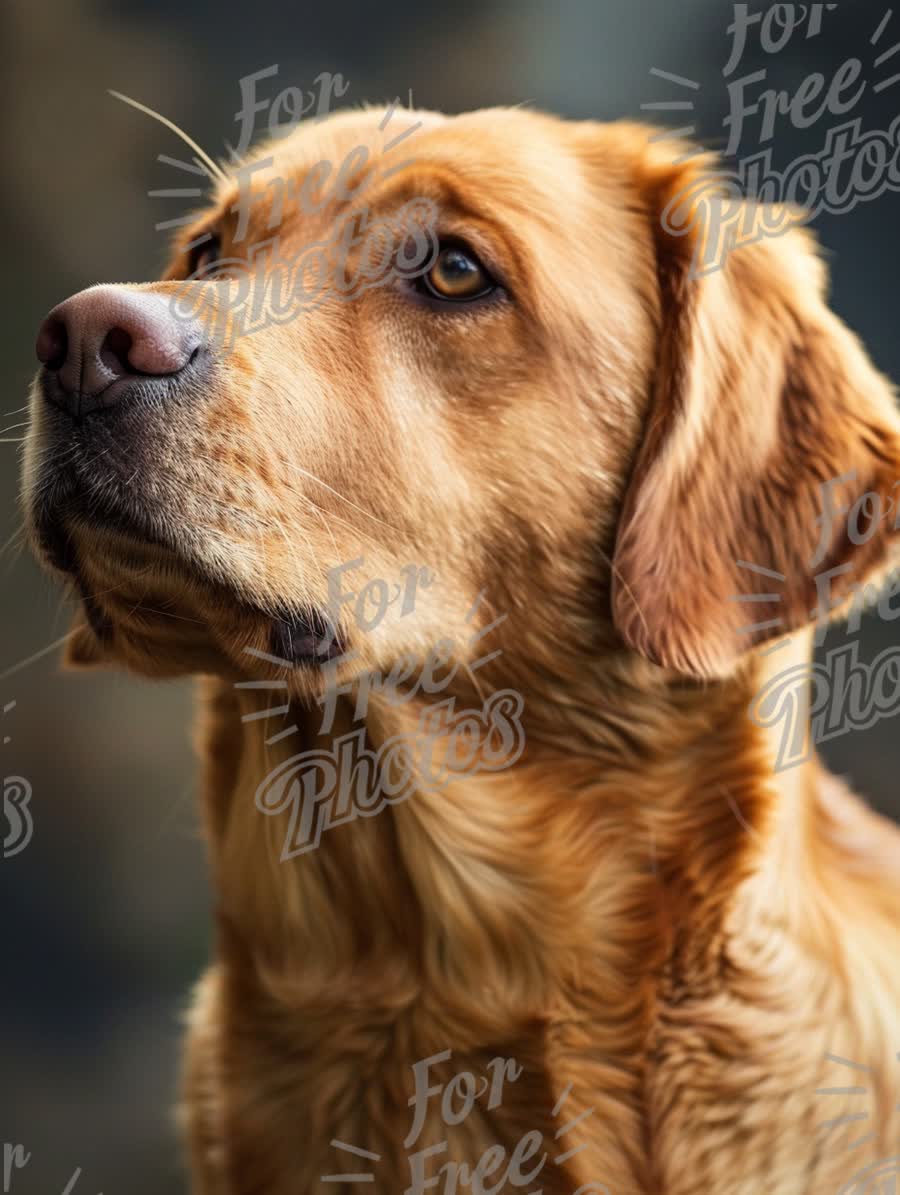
[(107, 335)]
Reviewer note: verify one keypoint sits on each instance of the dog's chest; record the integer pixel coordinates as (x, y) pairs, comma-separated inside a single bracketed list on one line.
[(723, 1090)]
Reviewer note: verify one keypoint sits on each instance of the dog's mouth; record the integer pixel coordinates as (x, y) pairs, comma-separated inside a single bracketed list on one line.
[(171, 566), (146, 585)]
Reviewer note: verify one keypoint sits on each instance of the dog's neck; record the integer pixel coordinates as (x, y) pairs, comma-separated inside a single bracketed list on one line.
[(636, 808), (643, 852)]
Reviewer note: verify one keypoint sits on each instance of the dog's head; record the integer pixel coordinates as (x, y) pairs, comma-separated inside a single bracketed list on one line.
[(477, 346)]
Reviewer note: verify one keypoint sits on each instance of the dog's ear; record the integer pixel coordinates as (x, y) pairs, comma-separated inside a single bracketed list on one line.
[(767, 418)]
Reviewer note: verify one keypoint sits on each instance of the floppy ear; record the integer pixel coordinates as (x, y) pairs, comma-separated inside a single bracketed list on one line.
[(767, 418)]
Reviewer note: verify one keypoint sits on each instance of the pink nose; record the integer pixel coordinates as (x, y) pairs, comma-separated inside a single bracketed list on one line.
[(108, 333)]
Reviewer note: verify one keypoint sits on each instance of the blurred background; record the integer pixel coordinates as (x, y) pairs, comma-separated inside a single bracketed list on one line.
[(106, 913)]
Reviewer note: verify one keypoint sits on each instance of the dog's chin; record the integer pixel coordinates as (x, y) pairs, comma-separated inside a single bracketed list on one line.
[(151, 601)]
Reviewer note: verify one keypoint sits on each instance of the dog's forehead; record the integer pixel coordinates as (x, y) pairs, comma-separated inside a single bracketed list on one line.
[(377, 131), (345, 143), (515, 155)]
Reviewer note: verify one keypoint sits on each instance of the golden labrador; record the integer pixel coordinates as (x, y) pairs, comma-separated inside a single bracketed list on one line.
[(598, 937)]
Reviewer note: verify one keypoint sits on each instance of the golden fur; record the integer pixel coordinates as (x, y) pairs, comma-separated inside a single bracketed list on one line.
[(641, 907)]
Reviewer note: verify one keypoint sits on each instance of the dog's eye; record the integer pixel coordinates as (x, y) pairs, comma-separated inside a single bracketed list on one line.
[(204, 255), (458, 276)]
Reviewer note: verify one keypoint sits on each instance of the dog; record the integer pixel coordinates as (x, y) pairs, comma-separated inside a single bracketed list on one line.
[(635, 955)]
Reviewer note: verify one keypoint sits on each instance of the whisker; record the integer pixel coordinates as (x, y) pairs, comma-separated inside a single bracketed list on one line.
[(217, 171), (17, 541), (320, 482), (36, 655), (169, 614), (291, 547), (316, 511), (97, 593)]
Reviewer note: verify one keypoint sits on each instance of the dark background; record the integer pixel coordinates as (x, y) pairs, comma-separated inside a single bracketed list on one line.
[(105, 915)]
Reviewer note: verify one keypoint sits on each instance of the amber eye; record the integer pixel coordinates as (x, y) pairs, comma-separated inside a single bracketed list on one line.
[(458, 275)]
